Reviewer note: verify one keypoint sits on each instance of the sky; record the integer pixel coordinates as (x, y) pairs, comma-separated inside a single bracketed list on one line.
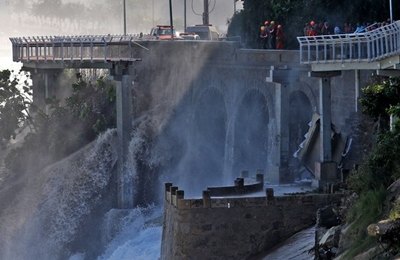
[(88, 17)]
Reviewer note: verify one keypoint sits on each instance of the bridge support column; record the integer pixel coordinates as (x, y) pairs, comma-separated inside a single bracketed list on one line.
[(357, 89), (125, 178), (325, 169), (282, 115), (44, 85)]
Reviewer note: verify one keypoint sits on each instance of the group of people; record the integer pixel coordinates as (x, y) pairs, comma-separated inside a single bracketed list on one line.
[(324, 28), (271, 35)]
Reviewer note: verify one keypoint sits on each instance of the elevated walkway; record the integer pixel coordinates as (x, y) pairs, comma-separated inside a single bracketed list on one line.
[(373, 50), (87, 51)]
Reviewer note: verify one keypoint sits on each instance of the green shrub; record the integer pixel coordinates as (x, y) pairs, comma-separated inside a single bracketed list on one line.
[(365, 211), (395, 211), (89, 111), (381, 168)]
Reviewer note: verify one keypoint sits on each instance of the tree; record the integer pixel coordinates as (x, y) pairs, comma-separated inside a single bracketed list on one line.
[(293, 14), (90, 110), (15, 100), (381, 98)]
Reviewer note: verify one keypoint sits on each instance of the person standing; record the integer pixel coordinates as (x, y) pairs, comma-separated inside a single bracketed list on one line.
[(272, 34), (312, 30), (279, 37), (264, 35), (326, 29)]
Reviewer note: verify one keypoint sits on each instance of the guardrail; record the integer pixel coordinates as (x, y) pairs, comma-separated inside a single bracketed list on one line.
[(362, 47), (93, 48)]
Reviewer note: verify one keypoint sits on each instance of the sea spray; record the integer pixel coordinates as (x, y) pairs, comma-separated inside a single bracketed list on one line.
[(136, 234), (136, 145), (46, 213)]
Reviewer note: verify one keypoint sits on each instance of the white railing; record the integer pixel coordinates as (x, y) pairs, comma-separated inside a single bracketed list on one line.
[(361, 47), (93, 48)]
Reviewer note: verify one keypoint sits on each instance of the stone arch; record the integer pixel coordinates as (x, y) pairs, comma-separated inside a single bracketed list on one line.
[(300, 114), (208, 140), (308, 91), (251, 132)]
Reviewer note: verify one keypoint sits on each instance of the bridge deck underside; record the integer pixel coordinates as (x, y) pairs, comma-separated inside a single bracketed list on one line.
[(41, 63), (387, 63)]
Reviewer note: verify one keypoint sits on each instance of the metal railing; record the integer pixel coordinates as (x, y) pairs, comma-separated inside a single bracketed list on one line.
[(370, 46), (93, 48)]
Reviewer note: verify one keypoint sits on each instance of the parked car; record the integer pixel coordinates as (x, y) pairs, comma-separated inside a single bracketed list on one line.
[(163, 32), (189, 36), (205, 32)]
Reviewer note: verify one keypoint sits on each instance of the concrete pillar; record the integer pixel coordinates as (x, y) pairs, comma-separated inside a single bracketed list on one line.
[(260, 178), (125, 179), (44, 85), (325, 120), (206, 199), (325, 169), (173, 190), (167, 186), (282, 139), (270, 194), (357, 89), (180, 194), (38, 89), (239, 183)]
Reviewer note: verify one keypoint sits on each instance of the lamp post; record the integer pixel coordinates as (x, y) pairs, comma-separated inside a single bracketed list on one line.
[(170, 19), (206, 20), (152, 11), (391, 11), (184, 14), (124, 17)]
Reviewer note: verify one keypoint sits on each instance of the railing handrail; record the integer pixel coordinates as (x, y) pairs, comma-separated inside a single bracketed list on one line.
[(368, 46), (93, 48), (77, 38)]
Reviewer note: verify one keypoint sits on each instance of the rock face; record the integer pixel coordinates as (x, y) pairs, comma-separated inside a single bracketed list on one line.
[(387, 232), (330, 232), (385, 229)]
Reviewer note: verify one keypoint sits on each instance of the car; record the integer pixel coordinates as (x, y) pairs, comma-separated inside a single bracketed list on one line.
[(189, 36), (205, 32), (163, 32)]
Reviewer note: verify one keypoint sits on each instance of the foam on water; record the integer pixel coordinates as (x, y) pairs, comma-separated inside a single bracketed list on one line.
[(139, 236), (50, 205)]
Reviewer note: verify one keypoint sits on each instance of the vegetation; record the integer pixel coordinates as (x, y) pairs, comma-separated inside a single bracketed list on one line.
[(15, 98), (293, 14), (381, 168), (88, 111)]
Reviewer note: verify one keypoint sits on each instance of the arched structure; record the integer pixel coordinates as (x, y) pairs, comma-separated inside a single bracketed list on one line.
[(251, 133), (208, 140), (300, 114)]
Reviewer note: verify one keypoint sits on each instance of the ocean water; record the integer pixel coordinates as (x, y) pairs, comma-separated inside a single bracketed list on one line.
[(139, 237)]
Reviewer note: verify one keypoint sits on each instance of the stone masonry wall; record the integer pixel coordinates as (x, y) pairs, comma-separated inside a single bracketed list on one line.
[(234, 228)]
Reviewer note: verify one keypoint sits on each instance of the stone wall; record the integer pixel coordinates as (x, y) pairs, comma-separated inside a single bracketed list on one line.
[(233, 228)]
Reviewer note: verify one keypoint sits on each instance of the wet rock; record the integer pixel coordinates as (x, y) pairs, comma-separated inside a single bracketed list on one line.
[(346, 239), (327, 217), (372, 253), (331, 237), (385, 229)]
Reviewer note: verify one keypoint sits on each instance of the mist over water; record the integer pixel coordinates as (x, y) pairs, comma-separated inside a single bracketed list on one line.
[(48, 215), (42, 212)]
